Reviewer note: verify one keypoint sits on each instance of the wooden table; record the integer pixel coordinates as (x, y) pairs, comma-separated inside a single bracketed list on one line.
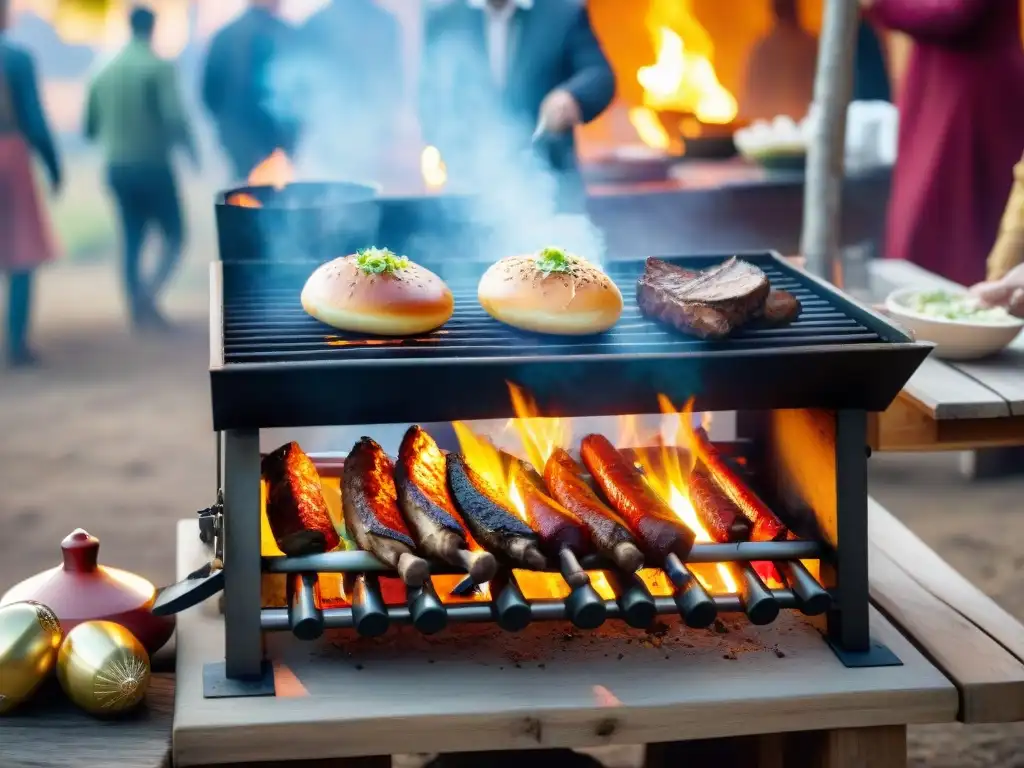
[(950, 405), (974, 673)]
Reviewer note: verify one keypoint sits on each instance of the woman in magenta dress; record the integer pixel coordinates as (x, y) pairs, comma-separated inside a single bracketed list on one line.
[(961, 130)]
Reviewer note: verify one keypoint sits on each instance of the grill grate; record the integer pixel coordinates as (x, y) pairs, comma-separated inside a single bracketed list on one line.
[(274, 361), (267, 324)]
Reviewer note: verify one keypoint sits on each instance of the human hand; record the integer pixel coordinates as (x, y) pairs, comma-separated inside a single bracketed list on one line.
[(1007, 292), (559, 112)]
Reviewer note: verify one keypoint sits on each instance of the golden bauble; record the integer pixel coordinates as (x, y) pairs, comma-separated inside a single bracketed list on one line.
[(103, 668), (29, 638)]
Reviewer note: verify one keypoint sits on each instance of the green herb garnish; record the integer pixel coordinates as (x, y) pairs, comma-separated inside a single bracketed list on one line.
[(551, 260), (378, 261)]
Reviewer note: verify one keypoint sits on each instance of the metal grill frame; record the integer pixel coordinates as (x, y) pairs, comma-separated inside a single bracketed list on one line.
[(305, 393)]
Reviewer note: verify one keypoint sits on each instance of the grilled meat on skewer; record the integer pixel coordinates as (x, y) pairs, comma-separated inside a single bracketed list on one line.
[(722, 519), (766, 526), (562, 534), (564, 479), (296, 509), (370, 502), (659, 532), (488, 517), (427, 507)]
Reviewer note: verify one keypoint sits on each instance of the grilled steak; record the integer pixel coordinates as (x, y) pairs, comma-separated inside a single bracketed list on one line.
[(709, 304)]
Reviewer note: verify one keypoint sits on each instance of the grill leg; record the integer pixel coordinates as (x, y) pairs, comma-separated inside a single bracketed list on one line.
[(244, 671)]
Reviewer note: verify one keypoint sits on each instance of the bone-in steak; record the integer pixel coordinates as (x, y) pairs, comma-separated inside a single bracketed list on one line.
[(710, 304)]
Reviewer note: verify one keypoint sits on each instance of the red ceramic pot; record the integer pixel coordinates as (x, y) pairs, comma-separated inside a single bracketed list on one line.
[(81, 590)]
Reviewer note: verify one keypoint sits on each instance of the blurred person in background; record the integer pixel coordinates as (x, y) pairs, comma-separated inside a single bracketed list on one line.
[(25, 241), (354, 48), (134, 112), (870, 73), (493, 71), (961, 130), (780, 71), (236, 87)]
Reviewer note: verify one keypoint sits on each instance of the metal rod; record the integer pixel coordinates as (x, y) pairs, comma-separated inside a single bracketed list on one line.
[(510, 608), (370, 615), (426, 610), (814, 599), (304, 615), (243, 644), (634, 600), (757, 600), (276, 619), (695, 605), (585, 608), (358, 561)]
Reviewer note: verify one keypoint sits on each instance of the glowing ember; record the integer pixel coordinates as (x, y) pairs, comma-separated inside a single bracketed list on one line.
[(244, 200), (432, 168), (276, 171)]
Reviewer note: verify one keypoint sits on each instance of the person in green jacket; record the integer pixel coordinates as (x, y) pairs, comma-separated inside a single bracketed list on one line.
[(134, 112)]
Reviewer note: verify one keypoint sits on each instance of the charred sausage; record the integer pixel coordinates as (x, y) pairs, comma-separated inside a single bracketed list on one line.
[(564, 479), (723, 521), (658, 530)]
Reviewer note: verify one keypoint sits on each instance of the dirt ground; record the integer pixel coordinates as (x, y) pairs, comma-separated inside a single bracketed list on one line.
[(113, 435)]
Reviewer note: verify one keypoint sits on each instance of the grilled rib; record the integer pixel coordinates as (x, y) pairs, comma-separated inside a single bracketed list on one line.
[(296, 510), (489, 518), (370, 503), (427, 507), (658, 530), (610, 535)]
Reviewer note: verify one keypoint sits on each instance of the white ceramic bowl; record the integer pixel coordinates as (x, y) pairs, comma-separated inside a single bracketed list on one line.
[(954, 339)]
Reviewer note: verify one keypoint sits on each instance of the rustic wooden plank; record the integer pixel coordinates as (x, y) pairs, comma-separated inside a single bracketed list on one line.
[(406, 693), (50, 731), (905, 426), (939, 577), (977, 644), (944, 392), (1004, 374)]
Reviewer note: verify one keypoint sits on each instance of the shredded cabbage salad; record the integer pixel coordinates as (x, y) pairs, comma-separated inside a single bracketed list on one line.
[(952, 306)]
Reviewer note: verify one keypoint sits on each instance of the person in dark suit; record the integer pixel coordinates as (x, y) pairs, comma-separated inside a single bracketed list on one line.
[(25, 241), (353, 75), (498, 75), (237, 86)]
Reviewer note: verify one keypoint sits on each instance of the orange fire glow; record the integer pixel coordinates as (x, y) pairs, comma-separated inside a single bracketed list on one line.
[(682, 78), (433, 169), (276, 171)]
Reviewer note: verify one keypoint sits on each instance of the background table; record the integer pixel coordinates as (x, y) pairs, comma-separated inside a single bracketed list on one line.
[(950, 405)]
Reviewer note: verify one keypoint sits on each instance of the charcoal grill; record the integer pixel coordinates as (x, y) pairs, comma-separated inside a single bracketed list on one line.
[(803, 393)]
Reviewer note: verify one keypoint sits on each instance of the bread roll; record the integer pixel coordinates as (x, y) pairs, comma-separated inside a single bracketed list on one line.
[(550, 292), (376, 292)]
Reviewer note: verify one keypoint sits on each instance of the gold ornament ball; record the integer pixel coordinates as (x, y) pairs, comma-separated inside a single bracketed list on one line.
[(103, 668), (30, 635)]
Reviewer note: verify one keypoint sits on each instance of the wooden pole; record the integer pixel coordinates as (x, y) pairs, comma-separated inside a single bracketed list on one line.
[(833, 88)]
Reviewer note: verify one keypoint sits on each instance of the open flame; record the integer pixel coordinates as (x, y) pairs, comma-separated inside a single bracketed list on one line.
[(275, 171), (433, 169), (682, 78)]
